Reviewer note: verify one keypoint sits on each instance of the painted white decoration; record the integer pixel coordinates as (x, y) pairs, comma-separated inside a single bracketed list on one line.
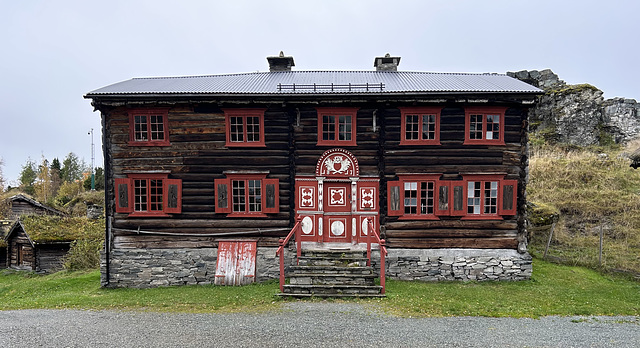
[(320, 227), (307, 225), (353, 227), (365, 227), (337, 228), (337, 165)]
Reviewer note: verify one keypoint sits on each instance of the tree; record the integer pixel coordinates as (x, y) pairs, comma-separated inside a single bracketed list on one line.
[(56, 176), (43, 187), (2, 181), (99, 179), (72, 168), (28, 176)]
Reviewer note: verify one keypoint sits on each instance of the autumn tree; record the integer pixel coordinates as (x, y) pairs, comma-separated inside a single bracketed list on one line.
[(55, 176), (43, 187)]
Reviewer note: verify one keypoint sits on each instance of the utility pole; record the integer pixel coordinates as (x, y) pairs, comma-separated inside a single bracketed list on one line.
[(93, 162)]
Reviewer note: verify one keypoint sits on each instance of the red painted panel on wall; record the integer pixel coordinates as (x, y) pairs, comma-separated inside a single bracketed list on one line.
[(236, 263)]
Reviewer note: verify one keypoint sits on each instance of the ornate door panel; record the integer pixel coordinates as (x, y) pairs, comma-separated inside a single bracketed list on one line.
[(337, 212)]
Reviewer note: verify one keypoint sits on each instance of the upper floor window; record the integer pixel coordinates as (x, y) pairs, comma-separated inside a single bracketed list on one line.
[(484, 126), (148, 127), (244, 127), (247, 195), (420, 126), (148, 195), (337, 126)]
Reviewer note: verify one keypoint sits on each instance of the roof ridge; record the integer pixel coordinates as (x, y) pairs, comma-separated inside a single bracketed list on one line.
[(314, 71)]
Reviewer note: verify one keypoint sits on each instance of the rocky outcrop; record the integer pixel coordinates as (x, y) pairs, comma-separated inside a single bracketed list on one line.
[(578, 114)]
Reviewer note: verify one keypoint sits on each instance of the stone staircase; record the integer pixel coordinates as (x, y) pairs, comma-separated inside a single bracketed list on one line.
[(332, 273)]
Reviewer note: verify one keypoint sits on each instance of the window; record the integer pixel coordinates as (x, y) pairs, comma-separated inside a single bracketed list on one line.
[(244, 127), (414, 196), (148, 195), (420, 126), (250, 195), (337, 126), (148, 127), (484, 126), (476, 197)]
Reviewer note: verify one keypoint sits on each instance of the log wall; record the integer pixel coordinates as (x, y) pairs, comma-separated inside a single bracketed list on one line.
[(197, 155)]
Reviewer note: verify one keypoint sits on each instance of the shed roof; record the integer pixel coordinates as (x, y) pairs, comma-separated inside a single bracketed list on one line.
[(21, 197), (42, 229), (318, 82)]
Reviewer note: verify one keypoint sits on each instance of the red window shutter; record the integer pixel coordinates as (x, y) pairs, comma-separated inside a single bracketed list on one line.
[(124, 195), (271, 200), (443, 203), (508, 196), (223, 197), (458, 198), (394, 203), (172, 192)]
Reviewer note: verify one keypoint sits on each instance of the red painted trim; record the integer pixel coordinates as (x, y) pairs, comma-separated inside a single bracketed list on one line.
[(150, 176), (483, 178), (147, 112), (244, 113), (484, 111), (421, 112), (244, 177), (337, 112)]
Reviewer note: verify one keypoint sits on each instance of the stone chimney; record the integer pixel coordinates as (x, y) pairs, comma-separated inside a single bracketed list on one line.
[(386, 63), (280, 63)]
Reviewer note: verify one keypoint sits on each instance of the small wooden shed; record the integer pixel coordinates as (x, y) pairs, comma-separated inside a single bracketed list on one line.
[(5, 225), (40, 243), (23, 205)]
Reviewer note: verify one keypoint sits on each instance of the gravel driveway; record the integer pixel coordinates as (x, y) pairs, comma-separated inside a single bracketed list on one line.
[(305, 324)]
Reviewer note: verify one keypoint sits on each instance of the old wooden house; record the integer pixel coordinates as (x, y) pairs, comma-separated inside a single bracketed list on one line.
[(23, 205), (5, 225), (40, 243), (205, 174)]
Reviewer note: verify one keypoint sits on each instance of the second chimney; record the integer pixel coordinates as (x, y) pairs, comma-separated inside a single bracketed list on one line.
[(280, 63), (386, 63)]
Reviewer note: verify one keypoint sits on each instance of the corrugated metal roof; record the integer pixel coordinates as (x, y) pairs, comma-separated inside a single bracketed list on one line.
[(267, 83)]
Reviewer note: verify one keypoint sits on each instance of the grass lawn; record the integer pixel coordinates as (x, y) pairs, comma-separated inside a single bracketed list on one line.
[(554, 290)]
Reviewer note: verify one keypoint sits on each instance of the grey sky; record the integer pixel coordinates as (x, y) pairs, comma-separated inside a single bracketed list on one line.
[(53, 52)]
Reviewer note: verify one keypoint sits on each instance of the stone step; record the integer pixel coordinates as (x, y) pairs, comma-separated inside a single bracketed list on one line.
[(330, 290), (335, 279), (329, 295), (332, 270), (332, 261)]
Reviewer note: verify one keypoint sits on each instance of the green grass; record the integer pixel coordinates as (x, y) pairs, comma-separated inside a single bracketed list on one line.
[(554, 290)]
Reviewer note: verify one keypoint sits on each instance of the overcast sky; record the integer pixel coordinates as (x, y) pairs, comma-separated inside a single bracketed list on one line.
[(54, 52)]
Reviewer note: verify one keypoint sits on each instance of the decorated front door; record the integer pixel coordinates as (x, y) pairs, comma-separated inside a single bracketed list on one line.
[(335, 202), (337, 213)]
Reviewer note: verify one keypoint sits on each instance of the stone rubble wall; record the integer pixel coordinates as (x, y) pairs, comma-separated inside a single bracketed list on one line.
[(458, 264), (578, 114), (145, 268)]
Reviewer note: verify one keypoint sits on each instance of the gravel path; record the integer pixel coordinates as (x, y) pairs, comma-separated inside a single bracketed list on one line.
[(305, 324)]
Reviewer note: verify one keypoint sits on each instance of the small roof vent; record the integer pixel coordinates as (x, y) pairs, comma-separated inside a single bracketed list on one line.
[(280, 63), (386, 63)]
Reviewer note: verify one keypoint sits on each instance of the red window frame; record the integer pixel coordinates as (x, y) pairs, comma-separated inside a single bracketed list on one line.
[(143, 190), (419, 180), (500, 210), (334, 127), (484, 113), (232, 134), (420, 112), (149, 127), (237, 196)]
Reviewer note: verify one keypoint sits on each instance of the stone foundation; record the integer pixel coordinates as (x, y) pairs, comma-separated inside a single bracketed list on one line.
[(144, 268), (457, 264)]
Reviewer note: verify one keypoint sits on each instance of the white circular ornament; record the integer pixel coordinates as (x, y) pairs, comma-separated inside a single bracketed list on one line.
[(337, 228), (307, 225)]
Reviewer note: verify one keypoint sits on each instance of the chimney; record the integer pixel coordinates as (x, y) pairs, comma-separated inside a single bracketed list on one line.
[(386, 63), (280, 63)]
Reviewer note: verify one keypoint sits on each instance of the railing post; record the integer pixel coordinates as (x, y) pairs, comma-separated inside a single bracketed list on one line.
[(298, 237), (369, 236), (382, 265), (281, 243)]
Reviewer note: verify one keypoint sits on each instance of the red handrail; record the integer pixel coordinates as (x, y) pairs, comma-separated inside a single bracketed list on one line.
[(283, 242), (383, 252)]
